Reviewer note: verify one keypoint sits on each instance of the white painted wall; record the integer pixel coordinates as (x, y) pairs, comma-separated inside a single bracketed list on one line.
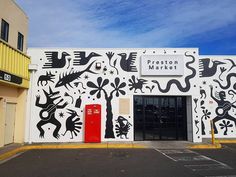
[(225, 74), (38, 57)]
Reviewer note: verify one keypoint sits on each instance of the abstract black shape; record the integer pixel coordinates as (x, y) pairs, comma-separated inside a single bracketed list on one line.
[(54, 61), (176, 82), (233, 64), (78, 102), (136, 85), (66, 78), (232, 93), (204, 67), (150, 88), (122, 127), (81, 59), (46, 78), (222, 70), (202, 93), (228, 79), (222, 109), (127, 63), (77, 84), (67, 94), (98, 89), (197, 126), (206, 115), (110, 55), (225, 125), (195, 101), (73, 123), (47, 114)]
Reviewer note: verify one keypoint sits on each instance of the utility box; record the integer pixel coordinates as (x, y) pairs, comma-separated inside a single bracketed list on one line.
[(92, 123)]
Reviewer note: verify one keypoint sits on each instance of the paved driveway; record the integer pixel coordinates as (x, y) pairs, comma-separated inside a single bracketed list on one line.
[(122, 163)]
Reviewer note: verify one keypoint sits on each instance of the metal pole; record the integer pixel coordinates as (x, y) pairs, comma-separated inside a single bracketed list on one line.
[(212, 133)]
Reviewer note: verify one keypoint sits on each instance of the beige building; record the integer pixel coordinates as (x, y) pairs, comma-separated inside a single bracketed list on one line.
[(14, 74)]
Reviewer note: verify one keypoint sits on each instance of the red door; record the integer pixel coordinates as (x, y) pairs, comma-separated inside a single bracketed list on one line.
[(92, 123)]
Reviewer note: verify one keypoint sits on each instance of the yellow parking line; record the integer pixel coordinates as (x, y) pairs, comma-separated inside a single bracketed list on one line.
[(205, 146)]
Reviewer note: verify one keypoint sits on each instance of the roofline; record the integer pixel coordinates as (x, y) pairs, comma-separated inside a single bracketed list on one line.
[(20, 8)]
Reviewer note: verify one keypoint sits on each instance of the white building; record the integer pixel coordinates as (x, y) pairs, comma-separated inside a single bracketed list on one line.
[(145, 94)]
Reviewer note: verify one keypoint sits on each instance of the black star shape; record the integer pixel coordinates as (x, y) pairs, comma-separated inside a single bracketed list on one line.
[(86, 77), (111, 72), (204, 82), (61, 114)]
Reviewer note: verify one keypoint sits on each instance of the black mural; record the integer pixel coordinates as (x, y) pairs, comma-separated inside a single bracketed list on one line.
[(202, 93), (176, 82), (77, 84), (46, 78), (73, 123), (127, 63), (136, 85), (205, 69), (68, 95), (233, 64), (222, 70), (232, 93), (81, 59), (54, 61), (122, 127), (117, 89), (222, 109), (110, 55), (78, 102), (47, 114), (206, 115), (150, 88), (197, 126), (66, 78), (195, 101), (225, 125), (228, 80)]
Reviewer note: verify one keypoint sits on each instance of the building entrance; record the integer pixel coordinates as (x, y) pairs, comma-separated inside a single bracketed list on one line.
[(160, 118)]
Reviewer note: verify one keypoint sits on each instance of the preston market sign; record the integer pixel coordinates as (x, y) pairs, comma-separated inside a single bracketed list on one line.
[(162, 65)]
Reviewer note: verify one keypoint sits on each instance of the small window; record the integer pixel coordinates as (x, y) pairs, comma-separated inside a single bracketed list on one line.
[(4, 30), (20, 41)]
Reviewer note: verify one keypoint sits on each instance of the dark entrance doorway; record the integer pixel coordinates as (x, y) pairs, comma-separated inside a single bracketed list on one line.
[(160, 118)]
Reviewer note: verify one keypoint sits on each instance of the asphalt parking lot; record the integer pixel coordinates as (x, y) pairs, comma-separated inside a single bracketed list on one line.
[(123, 163)]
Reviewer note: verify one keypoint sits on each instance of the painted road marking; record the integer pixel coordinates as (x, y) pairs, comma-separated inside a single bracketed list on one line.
[(165, 155), (12, 157), (178, 151), (208, 167), (191, 158), (223, 176)]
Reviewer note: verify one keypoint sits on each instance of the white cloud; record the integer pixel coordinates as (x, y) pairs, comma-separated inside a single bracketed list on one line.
[(94, 23)]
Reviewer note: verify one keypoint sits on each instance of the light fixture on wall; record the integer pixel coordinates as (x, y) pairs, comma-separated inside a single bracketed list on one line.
[(98, 65)]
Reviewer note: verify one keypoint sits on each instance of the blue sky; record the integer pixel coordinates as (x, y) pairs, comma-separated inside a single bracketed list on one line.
[(207, 24)]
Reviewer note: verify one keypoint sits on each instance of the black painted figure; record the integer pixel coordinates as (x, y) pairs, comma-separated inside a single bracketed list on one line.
[(127, 63), (54, 61), (122, 127), (67, 78), (81, 59), (117, 90), (46, 78), (136, 85), (222, 109), (73, 123), (233, 64), (47, 114), (176, 82), (205, 69), (228, 79), (202, 93)]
